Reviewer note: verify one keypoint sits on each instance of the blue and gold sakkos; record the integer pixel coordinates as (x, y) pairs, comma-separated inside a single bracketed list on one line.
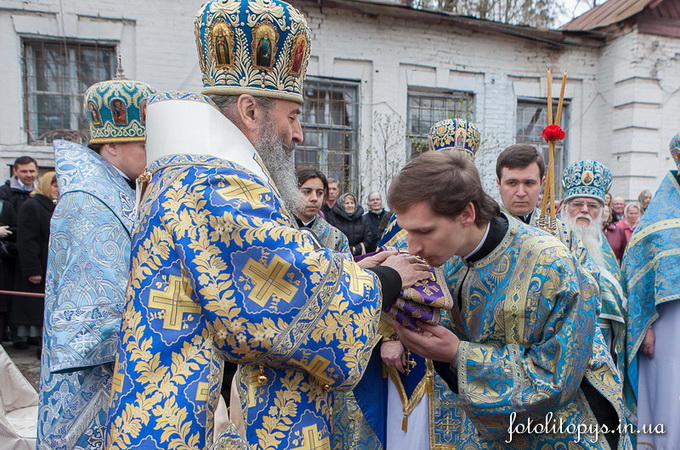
[(219, 272)]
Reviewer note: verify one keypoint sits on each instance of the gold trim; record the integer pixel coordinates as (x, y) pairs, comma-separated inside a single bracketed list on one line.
[(514, 306), (120, 139), (424, 386), (238, 90), (647, 267), (657, 226)]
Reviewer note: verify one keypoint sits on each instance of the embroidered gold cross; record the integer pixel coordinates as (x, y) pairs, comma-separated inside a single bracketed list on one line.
[(311, 440), (316, 368), (176, 302), (429, 289), (448, 424), (357, 278), (246, 191), (269, 280), (410, 362)]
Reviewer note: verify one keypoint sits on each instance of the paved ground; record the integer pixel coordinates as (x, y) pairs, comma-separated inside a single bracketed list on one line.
[(26, 361)]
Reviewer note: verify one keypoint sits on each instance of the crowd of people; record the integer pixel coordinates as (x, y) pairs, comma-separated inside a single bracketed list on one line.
[(27, 203), (185, 239)]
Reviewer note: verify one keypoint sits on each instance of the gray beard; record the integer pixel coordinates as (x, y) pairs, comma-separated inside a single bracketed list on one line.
[(590, 235), (279, 162)]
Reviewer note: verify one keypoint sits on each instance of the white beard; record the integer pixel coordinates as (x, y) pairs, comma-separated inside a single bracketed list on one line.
[(590, 235), (278, 160)]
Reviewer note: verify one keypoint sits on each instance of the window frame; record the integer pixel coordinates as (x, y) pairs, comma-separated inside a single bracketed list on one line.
[(71, 92), (348, 181), (413, 140)]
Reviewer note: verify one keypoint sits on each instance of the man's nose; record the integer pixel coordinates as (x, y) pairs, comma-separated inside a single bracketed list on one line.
[(298, 136), (414, 246)]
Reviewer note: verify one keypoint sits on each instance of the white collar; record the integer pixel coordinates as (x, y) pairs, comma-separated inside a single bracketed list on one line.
[(486, 234)]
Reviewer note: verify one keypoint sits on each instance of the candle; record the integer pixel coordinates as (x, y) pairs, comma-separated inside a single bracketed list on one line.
[(550, 115), (561, 100)]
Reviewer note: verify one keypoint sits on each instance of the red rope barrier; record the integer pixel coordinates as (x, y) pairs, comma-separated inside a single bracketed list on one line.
[(23, 294)]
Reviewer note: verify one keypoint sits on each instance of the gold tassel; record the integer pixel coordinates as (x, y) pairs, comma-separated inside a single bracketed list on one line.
[(142, 183), (404, 423)]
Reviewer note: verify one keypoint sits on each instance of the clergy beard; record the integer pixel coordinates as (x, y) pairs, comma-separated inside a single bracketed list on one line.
[(277, 158), (590, 235)]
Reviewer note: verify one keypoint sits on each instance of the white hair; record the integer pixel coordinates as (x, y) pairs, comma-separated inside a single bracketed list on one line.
[(591, 234)]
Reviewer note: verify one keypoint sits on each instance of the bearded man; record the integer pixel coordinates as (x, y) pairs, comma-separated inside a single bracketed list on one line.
[(219, 270), (585, 184)]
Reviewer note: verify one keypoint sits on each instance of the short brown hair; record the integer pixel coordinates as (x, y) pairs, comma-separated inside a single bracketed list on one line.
[(519, 156), (448, 181), (306, 173)]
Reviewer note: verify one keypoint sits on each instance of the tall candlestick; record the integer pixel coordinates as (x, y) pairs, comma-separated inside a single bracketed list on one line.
[(550, 115), (561, 100)]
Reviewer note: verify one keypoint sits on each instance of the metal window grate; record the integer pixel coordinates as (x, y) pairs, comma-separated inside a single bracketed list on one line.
[(427, 108), (56, 75), (330, 124)]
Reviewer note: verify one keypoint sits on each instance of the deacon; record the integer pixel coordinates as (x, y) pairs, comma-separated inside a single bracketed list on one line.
[(88, 264), (652, 268), (219, 270), (518, 349), (418, 399)]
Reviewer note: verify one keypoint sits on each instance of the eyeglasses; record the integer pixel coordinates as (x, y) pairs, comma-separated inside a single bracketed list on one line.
[(593, 206)]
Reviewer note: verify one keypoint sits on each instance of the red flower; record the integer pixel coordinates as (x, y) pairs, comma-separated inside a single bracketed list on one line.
[(553, 133)]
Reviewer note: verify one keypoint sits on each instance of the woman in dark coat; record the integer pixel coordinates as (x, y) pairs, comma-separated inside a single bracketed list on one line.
[(33, 236), (8, 258), (350, 219)]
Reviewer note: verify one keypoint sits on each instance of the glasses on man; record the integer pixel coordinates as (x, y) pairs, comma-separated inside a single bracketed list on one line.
[(593, 206)]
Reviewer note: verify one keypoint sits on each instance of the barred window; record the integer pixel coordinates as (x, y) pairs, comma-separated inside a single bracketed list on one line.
[(425, 108), (532, 118), (56, 75), (330, 122)]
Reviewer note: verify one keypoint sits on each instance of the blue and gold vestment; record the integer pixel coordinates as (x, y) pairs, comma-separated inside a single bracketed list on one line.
[(651, 266), (329, 236), (219, 272), (86, 276), (614, 300), (513, 291), (528, 338)]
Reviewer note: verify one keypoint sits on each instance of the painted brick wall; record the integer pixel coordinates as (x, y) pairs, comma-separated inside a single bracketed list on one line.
[(624, 106)]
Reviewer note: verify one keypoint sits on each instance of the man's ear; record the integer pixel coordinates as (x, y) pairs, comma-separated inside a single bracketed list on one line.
[(112, 148), (249, 113), (498, 182), (468, 215)]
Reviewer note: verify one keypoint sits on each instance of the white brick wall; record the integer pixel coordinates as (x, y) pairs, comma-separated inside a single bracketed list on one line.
[(624, 105)]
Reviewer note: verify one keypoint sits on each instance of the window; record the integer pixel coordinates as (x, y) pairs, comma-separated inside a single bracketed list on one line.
[(532, 118), (427, 108), (329, 119), (56, 75)]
